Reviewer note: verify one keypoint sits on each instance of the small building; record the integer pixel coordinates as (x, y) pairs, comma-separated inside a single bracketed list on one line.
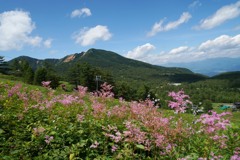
[(174, 84)]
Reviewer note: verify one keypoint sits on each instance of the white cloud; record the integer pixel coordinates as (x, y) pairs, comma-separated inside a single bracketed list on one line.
[(140, 51), (220, 16), (15, 29), (48, 43), (223, 42), (88, 37), (179, 50), (195, 4), (81, 12), (34, 41), (159, 27), (222, 46)]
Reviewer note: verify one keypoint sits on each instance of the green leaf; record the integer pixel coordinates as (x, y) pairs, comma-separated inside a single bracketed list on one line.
[(71, 156), (140, 146), (53, 133), (1, 131)]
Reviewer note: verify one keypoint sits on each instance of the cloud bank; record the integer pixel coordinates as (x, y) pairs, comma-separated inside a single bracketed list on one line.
[(222, 46)]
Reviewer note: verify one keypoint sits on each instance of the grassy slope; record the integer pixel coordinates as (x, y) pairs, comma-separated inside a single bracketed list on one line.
[(10, 79)]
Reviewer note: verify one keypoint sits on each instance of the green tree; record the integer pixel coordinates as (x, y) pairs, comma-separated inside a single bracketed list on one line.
[(105, 76), (88, 76), (143, 92), (28, 75), (23, 69), (83, 74), (46, 74), (75, 74), (4, 68), (51, 75), (27, 72), (53, 78), (124, 90), (207, 105), (40, 75), (235, 83), (16, 68)]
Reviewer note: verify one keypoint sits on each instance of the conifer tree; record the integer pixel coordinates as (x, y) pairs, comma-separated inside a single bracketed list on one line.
[(40, 75), (3, 66), (29, 75)]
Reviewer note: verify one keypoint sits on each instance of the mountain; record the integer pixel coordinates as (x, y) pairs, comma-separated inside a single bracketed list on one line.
[(211, 66), (228, 76), (120, 67), (33, 62)]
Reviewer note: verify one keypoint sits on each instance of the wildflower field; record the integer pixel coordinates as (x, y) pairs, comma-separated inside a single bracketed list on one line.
[(40, 123)]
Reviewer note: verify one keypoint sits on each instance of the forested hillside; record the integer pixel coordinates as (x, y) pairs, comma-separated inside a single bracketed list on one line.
[(121, 68)]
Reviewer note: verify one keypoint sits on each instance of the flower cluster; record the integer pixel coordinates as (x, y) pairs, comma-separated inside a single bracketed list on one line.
[(82, 90), (236, 155), (94, 145), (213, 122), (14, 90), (180, 102), (80, 117), (105, 92), (46, 84)]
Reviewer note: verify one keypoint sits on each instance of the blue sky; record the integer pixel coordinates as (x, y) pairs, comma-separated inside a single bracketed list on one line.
[(154, 31)]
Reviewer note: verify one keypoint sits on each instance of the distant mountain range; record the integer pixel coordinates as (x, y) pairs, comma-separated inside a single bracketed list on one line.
[(122, 69), (211, 67)]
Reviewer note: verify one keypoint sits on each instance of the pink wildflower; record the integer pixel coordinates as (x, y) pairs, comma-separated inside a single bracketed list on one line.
[(80, 118), (67, 99), (94, 145), (98, 109), (170, 147), (46, 83), (159, 140), (214, 121), (82, 90), (134, 134), (180, 101), (236, 155), (14, 90), (105, 92), (113, 133), (114, 148), (48, 139), (215, 156)]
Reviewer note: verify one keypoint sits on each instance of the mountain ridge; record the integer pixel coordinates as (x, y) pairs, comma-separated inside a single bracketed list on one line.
[(122, 68)]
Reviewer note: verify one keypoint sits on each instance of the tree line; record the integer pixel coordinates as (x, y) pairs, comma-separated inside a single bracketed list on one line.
[(78, 74), (204, 92)]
